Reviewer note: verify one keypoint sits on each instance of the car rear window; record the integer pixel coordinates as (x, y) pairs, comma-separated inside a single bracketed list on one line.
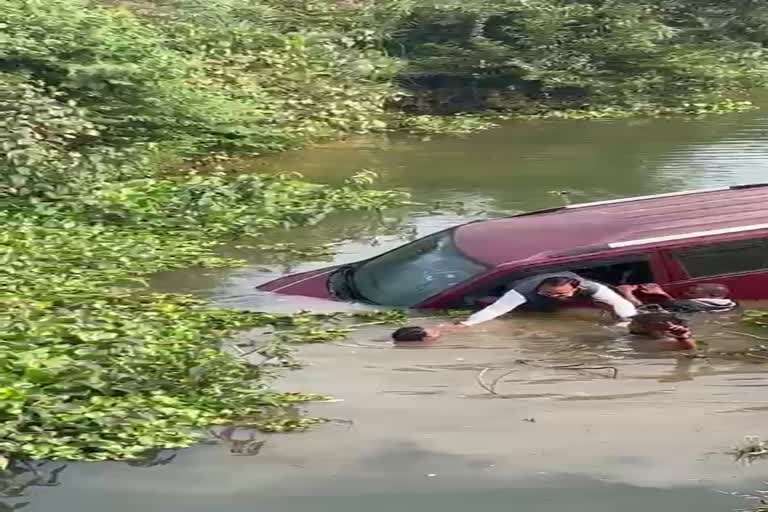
[(724, 258)]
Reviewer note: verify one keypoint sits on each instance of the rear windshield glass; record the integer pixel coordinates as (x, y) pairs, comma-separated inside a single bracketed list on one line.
[(411, 274)]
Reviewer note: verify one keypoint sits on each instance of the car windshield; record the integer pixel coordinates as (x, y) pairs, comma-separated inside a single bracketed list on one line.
[(411, 274)]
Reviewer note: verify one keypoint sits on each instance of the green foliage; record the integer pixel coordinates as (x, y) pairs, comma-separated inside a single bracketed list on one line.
[(225, 75), (115, 67), (715, 20), (86, 86), (640, 109), (309, 66), (49, 144), (114, 377), (446, 125), (539, 55), (92, 96), (95, 369), (117, 376)]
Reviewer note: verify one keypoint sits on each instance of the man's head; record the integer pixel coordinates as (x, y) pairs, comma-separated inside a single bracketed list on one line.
[(415, 333), (559, 288), (708, 291), (659, 325)]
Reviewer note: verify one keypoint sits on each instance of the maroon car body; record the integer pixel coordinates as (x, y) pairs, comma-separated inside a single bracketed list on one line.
[(676, 239)]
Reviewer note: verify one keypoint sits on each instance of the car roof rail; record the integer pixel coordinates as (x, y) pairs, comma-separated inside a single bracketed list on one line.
[(686, 236), (667, 194), (668, 238), (748, 185), (640, 198)]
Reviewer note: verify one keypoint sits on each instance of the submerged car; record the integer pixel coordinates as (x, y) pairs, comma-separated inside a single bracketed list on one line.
[(678, 239)]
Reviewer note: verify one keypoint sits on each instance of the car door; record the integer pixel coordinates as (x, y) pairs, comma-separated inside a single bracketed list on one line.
[(740, 264)]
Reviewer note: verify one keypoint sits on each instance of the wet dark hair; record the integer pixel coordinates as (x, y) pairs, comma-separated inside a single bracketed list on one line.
[(647, 320), (414, 333), (559, 281)]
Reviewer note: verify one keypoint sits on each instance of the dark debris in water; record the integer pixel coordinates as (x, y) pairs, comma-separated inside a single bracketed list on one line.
[(231, 434), (152, 459), (752, 449), (490, 386)]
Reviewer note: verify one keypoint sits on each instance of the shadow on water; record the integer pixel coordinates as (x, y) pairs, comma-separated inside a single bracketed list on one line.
[(423, 433)]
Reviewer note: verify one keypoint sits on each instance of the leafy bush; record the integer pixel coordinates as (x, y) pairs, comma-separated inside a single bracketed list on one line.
[(636, 56), (114, 66), (83, 83), (50, 146), (91, 368), (310, 67)]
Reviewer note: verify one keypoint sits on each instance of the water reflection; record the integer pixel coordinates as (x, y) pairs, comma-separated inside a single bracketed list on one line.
[(515, 167), (18, 478)]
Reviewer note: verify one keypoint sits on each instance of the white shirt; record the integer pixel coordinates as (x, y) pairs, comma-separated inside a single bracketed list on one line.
[(513, 299)]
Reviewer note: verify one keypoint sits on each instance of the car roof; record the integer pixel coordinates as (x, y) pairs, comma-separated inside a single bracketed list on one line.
[(605, 225)]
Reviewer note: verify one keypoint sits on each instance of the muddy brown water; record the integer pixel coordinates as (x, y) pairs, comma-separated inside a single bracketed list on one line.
[(416, 430)]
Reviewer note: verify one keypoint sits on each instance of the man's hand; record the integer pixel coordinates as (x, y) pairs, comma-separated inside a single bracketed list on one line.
[(682, 335), (678, 331), (654, 289), (628, 292)]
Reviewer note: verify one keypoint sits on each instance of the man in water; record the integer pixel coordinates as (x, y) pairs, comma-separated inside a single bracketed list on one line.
[(670, 331), (700, 298), (412, 335), (546, 292)]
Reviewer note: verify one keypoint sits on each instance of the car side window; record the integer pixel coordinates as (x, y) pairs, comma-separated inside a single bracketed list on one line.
[(724, 258), (626, 272), (636, 270)]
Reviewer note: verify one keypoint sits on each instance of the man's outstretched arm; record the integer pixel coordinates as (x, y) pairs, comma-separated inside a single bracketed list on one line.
[(506, 303), (621, 306)]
